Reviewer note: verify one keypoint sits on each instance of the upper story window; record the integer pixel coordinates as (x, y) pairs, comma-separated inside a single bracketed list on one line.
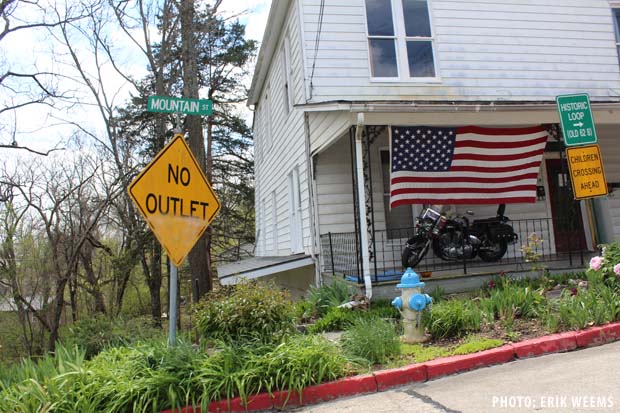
[(616, 14), (286, 75), (400, 39)]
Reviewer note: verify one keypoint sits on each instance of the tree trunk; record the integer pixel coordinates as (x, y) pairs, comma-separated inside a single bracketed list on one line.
[(154, 282), (198, 257)]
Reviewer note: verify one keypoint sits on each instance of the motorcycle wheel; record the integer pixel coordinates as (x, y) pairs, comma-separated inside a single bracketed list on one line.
[(413, 254), (493, 251)]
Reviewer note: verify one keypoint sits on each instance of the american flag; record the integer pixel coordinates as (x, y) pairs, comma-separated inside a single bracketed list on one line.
[(466, 165)]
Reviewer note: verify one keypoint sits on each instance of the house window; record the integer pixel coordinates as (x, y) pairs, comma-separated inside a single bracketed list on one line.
[(274, 223), (286, 76), (397, 218), (616, 14), (268, 121), (400, 39)]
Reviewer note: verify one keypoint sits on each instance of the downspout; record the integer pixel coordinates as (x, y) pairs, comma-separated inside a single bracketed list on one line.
[(359, 130), (312, 204)]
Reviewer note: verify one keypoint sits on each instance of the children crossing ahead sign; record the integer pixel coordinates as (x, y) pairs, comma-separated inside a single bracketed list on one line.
[(175, 198), (586, 171)]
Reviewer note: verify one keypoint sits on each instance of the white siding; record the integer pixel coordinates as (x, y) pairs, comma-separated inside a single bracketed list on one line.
[(335, 188), (325, 126), (283, 150), (486, 50)]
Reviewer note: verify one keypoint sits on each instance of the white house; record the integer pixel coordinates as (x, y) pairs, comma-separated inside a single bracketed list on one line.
[(333, 79)]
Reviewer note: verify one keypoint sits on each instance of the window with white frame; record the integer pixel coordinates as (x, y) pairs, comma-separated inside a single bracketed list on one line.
[(400, 39), (274, 223), (267, 120), (286, 76), (616, 14)]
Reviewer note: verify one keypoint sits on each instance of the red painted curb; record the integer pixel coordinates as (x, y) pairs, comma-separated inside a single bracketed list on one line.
[(260, 401), (612, 332), (343, 387), (555, 343), (396, 377), (454, 364), (594, 336)]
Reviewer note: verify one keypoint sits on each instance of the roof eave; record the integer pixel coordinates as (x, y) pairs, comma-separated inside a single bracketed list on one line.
[(275, 24)]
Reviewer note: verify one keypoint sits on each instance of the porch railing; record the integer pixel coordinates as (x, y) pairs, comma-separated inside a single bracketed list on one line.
[(341, 254)]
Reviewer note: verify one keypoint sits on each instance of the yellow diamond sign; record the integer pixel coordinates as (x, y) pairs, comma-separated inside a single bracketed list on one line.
[(175, 198)]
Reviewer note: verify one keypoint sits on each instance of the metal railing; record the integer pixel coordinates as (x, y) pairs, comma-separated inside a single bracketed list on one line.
[(341, 254)]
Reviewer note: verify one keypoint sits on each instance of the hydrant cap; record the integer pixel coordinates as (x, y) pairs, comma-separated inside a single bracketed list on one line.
[(410, 279)]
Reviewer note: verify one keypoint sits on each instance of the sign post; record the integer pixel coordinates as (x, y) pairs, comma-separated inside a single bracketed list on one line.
[(576, 119), (178, 203)]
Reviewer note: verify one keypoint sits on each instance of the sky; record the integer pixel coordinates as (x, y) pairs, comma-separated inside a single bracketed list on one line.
[(38, 126)]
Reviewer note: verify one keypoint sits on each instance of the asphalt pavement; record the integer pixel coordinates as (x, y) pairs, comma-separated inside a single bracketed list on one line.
[(586, 380)]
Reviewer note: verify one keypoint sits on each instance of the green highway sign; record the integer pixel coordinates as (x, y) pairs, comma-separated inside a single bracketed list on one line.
[(167, 104), (576, 119)]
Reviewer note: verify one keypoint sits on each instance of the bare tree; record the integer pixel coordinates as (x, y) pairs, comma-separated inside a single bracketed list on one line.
[(24, 84)]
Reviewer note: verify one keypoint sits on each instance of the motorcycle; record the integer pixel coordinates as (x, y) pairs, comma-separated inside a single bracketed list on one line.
[(457, 239)]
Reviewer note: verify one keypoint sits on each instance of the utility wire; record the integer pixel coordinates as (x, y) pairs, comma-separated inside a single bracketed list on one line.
[(316, 44)]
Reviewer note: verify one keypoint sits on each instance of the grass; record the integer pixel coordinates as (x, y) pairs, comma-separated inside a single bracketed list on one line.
[(419, 353), (372, 339)]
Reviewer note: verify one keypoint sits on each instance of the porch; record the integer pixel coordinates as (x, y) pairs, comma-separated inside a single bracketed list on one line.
[(341, 255)]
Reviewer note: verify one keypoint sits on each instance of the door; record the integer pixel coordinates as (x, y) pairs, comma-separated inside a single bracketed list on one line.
[(565, 210)]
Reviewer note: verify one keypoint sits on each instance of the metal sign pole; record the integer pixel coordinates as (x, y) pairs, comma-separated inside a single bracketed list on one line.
[(172, 319)]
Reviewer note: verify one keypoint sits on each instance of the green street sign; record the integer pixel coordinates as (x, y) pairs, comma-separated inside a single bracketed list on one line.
[(576, 119), (167, 104)]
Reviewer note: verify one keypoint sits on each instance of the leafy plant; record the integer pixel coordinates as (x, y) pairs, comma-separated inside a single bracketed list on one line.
[(510, 302), (438, 294), (251, 310), (329, 295), (335, 319), (373, 339), (96, 333), (452, 318)]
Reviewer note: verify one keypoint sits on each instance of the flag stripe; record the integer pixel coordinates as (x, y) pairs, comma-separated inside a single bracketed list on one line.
[(458, 200), (504, 144), (485, 179), (465, 165), (495, 158), (486, 190)]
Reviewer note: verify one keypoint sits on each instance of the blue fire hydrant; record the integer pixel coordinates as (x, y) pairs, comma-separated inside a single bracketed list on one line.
[(411, 304)]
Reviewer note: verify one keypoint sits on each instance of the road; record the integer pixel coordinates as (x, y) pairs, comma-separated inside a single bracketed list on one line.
[(586, 380)]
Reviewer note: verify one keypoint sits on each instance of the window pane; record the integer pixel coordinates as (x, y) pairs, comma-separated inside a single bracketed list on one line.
[(417, 22), (379, 17), (383, 58), (420, 56), (617, 23)]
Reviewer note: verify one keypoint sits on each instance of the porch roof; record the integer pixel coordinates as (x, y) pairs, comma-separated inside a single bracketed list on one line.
[(257, 267)]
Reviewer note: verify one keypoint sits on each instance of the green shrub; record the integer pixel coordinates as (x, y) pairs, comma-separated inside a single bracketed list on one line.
[(384, 309), (96, 333), (452, 318), (512, 301), (250, 310), (334, 320), (244, 370), (583, 308), (372, 339), (329, 295)]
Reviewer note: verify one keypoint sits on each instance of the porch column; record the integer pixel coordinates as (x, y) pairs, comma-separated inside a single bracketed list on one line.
[(363, 225)]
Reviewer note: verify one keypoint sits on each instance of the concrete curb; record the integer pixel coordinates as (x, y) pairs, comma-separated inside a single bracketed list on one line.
[(385, 379)]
